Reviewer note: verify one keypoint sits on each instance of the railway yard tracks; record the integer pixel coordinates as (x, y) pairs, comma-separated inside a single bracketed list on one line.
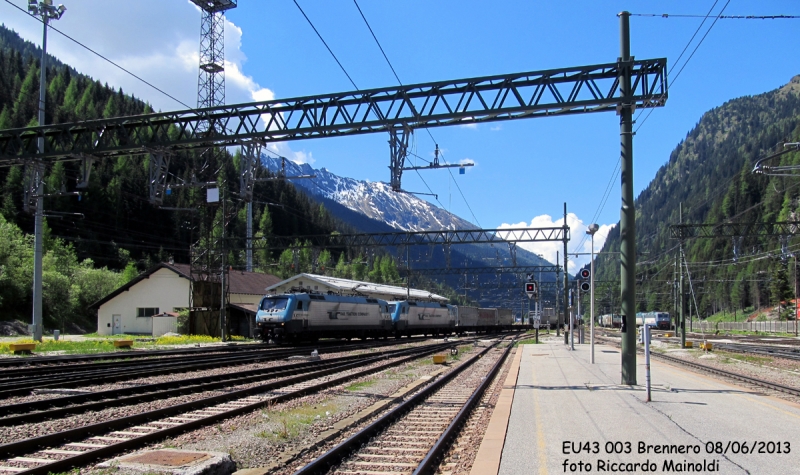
[(20, 381), (414, 436), (739, 348), (153, 412)]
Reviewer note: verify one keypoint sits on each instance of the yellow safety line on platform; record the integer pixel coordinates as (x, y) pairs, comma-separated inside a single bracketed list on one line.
[(540, 440)]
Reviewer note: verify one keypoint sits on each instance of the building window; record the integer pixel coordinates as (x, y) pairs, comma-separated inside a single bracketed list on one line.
[(146, 312)]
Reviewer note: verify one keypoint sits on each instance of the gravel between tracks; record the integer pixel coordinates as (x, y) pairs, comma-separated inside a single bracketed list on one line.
[(20, 432), (459, 458), (771, 369), (256, 438)]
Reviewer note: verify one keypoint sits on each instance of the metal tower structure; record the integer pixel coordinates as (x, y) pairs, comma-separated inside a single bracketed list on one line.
[(211, 79), (208, 291)]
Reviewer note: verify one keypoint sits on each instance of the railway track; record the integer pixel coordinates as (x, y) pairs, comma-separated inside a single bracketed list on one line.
[(763, 350), (60, 451), (41, 410), (22, 382), (728, 374), (415, 435), (37, 360), (794, 391)]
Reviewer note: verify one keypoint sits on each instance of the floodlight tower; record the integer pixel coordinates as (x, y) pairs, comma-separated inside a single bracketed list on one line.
[(207, 263), (35, 189), (211, 80)]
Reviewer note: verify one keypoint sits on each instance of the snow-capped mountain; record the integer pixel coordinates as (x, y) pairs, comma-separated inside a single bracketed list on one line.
[(375, 200)]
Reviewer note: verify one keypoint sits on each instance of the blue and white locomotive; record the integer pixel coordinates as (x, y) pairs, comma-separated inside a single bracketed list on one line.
[(311, 316), (422, 318)]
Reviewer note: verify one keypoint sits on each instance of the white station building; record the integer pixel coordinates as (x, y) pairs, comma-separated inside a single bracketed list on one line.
[(148, 304)]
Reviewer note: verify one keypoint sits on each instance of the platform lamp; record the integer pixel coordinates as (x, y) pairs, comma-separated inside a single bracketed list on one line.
[(47, 11), (592, 229)]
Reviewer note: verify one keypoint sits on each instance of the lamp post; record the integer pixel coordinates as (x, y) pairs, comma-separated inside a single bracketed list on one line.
[(592, 229), (47, 11)]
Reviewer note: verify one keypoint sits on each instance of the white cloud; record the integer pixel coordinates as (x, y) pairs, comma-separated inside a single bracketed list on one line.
[(553, 251), (496, 128), (153, 39), (469, 126), (282, 149)]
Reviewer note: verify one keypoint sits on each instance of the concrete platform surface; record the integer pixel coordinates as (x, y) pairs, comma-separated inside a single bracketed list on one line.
[(569, 416)]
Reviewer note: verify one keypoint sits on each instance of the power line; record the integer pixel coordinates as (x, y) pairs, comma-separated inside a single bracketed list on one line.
[(378, 42), (673, 80), (323, 42), (100, 55), (427, 130), (615, 174), (722, 17)]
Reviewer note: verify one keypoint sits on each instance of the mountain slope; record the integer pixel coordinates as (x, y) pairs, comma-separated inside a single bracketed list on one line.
[(376, 200), (710, 174), (374, 207)]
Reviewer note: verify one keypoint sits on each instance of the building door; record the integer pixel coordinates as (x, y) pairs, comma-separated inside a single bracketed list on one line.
[(116, 325)]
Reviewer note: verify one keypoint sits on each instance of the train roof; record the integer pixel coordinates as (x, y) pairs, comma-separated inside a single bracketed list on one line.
[(329, 297), (347, 286)]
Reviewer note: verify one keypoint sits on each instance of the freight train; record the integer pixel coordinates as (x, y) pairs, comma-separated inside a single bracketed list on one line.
[(309, 316), (610, 321), (659, 320)]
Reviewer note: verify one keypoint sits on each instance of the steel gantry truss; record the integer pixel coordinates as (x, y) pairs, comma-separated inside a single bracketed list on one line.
[(482, 270), (415, 238), (563, 91)]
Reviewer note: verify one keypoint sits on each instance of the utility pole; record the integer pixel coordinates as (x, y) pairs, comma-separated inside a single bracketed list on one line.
[(627, 212), (681, 304), (566, 273), (592, 229), (557, 304), (48, 12), (223, 293)]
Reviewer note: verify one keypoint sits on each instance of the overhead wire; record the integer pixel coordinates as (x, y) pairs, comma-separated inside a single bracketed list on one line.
[(723, 17), (323, 42), (616, 172), (386, 57)]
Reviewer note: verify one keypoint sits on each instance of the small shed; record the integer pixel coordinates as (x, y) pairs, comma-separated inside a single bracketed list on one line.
[(166, 322)]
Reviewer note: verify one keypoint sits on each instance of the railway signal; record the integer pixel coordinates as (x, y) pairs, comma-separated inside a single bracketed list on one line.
[(530, 289), (584, 275)]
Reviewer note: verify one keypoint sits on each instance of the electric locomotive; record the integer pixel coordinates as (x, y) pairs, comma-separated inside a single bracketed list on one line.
[(422, 318), (309, 316)]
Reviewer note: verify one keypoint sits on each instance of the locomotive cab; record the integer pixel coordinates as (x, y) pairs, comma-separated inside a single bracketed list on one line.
[(277, 315)]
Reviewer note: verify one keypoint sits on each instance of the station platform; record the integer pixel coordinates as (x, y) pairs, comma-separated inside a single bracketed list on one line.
[(565, 415)]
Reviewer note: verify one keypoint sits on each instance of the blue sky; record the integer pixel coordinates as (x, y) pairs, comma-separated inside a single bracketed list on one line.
[(525, 170)]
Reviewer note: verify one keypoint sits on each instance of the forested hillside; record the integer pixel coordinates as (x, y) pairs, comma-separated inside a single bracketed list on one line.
[(112, 228), (710, 174)]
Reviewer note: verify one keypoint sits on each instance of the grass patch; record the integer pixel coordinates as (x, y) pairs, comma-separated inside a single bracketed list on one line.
[(105, 344), (289, 424), (759, 360), (186, 339), (361, 385)]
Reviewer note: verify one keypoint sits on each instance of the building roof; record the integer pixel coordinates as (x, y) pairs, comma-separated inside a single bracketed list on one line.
[(254, 283), (355, 286), (241, 282)]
